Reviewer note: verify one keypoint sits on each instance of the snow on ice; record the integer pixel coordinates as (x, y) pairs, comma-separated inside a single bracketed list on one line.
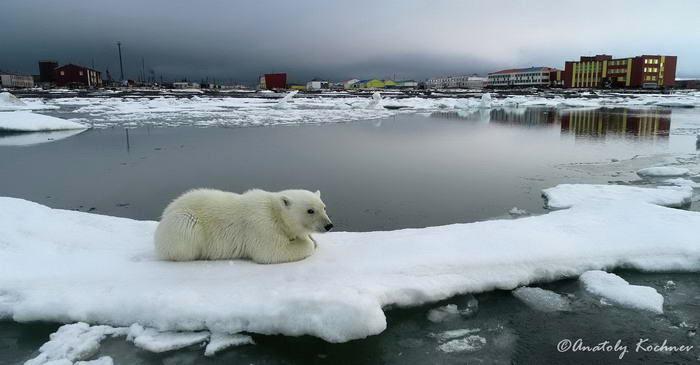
[(618, 291), (29, 139), (24, 121), (221, 341), (542, 300), (68, 266), (160, 341), (567, 195), (663, 171), (73, 342)]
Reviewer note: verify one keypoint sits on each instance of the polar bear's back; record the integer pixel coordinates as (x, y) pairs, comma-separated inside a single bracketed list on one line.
[(206, 224)]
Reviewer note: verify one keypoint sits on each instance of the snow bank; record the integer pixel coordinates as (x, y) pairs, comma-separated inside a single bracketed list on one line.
[(24, 121), (567, 195), (68, 266), (663, 171), (11, 102), (619, 291), (542, 300)]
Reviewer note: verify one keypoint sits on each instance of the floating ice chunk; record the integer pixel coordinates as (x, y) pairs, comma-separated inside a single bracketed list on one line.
[(467, 344), (485, 101), (221, 341), (661, 171), (442, 313), (10, 102), (104, 360), (542, 300), (336, 294), (152, 340), (72, 342), (24, 121), (567, 195), (679, 181), (618, 291), (451, 334), (515, 211), (376, 99)]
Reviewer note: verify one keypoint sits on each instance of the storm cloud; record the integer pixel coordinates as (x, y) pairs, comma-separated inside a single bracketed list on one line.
[(238, 40)]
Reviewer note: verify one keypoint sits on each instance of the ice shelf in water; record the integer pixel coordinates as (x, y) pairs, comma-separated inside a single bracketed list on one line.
[(24, 121), (68, 266), (617, 290)]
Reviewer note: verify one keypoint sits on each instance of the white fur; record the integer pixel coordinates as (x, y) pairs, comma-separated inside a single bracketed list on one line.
[(266, 227)]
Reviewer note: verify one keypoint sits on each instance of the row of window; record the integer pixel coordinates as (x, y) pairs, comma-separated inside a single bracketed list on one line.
[(650, 61), (618, 62), (617, 70), (650, 78), (651, 69)]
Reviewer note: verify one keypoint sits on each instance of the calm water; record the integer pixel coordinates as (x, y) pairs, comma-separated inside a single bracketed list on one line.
[(406, 171)]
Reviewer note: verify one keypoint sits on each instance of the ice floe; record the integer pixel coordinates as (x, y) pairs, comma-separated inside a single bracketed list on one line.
[(567, 195), (663, 171), (222, 341), (24, 121), (73, 342), (542, 300), (470, 343), (618, 291), (9, 102), (70, 266), (160, 341), (33, 138), (679, 181)]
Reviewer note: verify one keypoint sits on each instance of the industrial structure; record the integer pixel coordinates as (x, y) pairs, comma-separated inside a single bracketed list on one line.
[(645, 71), (10, 80)]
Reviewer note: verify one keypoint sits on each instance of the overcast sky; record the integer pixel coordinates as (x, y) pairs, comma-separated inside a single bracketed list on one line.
[(238, 40)]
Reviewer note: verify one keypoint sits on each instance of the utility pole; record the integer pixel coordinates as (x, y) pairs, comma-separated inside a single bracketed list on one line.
[(121, 66), (143, 70)]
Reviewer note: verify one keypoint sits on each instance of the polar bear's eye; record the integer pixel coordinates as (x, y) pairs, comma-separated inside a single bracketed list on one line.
[(310, 211)]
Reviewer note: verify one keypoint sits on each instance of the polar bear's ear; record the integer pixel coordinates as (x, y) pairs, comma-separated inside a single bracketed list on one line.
[(285, 201), (318, 193)]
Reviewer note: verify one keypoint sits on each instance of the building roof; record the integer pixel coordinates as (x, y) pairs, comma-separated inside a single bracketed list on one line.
[(521, 70), (74, 65)]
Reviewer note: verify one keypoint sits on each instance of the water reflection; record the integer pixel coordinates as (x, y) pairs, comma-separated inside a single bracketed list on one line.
[(617, 121), (577, 122)]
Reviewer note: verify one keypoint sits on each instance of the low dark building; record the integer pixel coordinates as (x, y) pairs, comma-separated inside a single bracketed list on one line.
[(71, 75), (47, 71)]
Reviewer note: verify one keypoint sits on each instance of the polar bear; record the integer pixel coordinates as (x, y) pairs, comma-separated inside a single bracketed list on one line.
[(266, 227)]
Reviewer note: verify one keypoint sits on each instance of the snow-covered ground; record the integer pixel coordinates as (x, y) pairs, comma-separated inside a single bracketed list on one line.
[(69, 266), (201, 110)]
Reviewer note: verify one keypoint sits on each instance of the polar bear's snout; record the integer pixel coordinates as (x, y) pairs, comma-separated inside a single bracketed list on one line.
[(328, 227)]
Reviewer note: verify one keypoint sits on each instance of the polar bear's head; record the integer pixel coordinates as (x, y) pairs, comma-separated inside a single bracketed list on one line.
[(304, 212)]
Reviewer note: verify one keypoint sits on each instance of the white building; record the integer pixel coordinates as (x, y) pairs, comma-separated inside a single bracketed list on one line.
[(185, 85), (16, 81), (350, 84), (521, 77), (317, 85), (456, 82)]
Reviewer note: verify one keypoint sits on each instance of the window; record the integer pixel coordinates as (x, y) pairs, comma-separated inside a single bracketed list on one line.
[(63, 73)]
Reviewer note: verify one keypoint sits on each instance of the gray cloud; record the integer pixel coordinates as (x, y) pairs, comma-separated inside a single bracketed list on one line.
[(406, 38)]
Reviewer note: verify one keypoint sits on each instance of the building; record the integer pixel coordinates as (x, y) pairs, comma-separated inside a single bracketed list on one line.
[(456, 82), (186, 85), (71, 75), (316, 84), (276, 81), (645, 71), (521, 77), (687, 84), (47, 72), (16, 81), (407, 84), (350, 84)]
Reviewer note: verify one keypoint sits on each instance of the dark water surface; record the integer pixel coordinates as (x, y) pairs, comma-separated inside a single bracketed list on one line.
[(406, 171)]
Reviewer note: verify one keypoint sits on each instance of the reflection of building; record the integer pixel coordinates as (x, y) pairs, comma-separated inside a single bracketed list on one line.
[(600, 122), (523, 116), (646, 71), (521, 77)]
